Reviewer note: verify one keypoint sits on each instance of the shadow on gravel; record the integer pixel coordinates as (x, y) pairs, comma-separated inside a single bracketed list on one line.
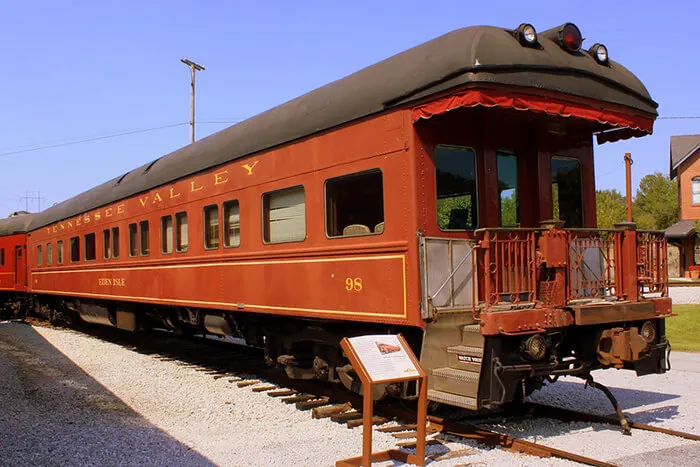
[(54, 413), (573, 394)]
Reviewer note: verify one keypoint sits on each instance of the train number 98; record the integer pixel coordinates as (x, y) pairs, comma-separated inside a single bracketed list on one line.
[(353, 284)]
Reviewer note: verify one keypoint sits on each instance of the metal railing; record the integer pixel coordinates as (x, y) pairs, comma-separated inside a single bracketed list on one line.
[(652, 262), (556, 267)]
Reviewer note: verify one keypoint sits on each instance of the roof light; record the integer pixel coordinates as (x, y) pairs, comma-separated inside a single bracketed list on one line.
[(526, 34), (570, 37), (600, 53)]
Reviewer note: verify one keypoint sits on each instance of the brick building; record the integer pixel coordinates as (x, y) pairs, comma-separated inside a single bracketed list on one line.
[(685, 169)]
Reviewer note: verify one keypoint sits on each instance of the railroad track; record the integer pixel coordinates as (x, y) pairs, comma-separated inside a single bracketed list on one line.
[(245, 367)]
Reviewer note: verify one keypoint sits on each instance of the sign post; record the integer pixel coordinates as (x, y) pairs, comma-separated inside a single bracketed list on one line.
[(381, 359)]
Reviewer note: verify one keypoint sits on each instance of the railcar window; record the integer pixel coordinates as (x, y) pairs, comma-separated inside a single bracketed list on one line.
[(355, 205), (145, 238), (508, 196), (90, 247), (455, 176), (49, 254), (39, 255), (166, 234), (74, 249), (284, 215), (211, 227), (181, 233), (232, 224), (696, 257), (59, 252), (2, 256), (133, 240), (106, 244), (695, 189), (115, 242), (567, 193)]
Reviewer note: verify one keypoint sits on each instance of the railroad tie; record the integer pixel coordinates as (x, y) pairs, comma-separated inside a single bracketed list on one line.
[(250, 382), (376, 420), (298, 398), (397, 428), (310, 404), (267, 387), (282, 392), (344, 417), (324, 412)]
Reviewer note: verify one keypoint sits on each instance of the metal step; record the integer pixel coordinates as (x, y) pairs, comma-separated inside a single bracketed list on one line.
[(465, 357), (455, 381), (452, 399), (471, 335)]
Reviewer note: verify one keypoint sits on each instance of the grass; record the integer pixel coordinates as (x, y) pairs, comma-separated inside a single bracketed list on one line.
[(684, 330)]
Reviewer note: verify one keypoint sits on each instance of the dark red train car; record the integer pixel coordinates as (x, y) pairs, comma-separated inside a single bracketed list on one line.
[(446, 192), (13, 262)]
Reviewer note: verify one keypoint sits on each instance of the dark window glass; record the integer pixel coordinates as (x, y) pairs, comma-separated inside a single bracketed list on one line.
[(106, 244), (181, 232), (2, 256), (211, 227), (567, 193), (59, 252), (166, 234), (145, 238), (39, 255), (232, 224), (74, 249), (115, 242), (133, 240), (508, 197), (355, 205), (90, 247), (49, 254), (455, 174)]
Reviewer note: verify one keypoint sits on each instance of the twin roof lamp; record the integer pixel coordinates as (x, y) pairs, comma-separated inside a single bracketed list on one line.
[(568, 36)]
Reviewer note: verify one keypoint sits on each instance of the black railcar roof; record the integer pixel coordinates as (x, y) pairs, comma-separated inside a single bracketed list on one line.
[(469, 56)]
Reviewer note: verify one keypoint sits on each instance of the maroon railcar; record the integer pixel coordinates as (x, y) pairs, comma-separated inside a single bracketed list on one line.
[(447, 193)]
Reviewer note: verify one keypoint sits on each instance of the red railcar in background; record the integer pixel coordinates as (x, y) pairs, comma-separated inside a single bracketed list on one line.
[(447, 193)]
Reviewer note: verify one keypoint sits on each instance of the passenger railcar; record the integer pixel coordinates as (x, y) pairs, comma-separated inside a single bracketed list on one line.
[(447, 193)]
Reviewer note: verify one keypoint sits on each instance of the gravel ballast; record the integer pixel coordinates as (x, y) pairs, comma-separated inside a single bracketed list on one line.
[(69, 398)]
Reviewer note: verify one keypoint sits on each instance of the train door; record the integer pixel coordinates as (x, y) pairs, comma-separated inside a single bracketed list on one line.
[(20, 267)]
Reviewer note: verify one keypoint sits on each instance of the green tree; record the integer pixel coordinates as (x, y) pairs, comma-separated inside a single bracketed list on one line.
[(656, 203), (611, 208)]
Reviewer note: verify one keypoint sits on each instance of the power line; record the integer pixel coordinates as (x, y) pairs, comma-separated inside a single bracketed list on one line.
[(680, 118), (87, 140)]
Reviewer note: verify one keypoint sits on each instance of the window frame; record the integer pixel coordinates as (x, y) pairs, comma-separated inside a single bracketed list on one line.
[(144, 251), (218, 226), (49, 254), (178, 239), (325, 203), (133, 245), (94, 243), (581, 185), (224, 218), (694, 190), (70, 245), (39, 256), (107, 243), (476, 186), (265, 216), (163, 232), (116, 246), (59, 252)]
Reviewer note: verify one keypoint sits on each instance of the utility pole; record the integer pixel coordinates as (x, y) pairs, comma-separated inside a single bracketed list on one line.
[(628, 183), (35, 195), (194, 68)]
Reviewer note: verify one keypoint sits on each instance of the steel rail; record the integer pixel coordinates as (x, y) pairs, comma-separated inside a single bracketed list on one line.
[(574, 415)]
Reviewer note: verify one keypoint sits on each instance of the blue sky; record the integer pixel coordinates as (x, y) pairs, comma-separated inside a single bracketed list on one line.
[(82, 69)]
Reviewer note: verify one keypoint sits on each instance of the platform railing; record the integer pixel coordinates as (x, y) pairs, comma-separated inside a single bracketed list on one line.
[(592, 270), (559, 267), (652, 262)]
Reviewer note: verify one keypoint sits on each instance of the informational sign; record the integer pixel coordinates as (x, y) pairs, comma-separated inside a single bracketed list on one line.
[(384, 357)]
